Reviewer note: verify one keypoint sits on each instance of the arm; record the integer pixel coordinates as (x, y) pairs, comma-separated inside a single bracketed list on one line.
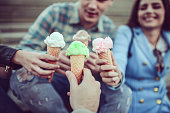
[(110, 74), (120, 50), (87, 94)]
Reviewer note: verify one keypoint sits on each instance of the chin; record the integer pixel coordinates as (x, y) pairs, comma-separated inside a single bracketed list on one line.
[(151, 27), (91, 20)]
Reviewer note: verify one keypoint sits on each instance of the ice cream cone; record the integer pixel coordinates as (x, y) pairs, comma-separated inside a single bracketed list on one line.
[(77, 65), (77, 52), (54, 51), (106, 56), (54, 44), (102, 48), (82, 36)]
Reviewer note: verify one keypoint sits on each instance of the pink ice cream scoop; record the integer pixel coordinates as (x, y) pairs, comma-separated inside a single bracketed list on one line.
[(102, 45)]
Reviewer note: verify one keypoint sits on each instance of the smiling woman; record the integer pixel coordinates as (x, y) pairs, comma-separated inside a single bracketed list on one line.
[(150, 49), (151, 14)]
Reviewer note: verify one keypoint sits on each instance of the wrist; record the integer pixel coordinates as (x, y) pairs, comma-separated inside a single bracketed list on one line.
[(17, 57)]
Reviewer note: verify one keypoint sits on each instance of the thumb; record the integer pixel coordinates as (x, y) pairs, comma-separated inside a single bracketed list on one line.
[(87, 74), (72, 80), (113, 60)]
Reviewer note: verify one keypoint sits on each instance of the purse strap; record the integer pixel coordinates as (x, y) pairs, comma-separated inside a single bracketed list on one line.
[(131, 42)]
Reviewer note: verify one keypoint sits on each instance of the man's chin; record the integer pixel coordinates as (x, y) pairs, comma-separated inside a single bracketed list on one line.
[(91, 20)]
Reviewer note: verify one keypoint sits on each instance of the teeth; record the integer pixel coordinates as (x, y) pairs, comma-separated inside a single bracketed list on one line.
[(149, 19)]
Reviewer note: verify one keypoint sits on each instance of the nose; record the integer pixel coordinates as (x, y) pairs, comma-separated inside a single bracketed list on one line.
[(149, 9), (92, 4)]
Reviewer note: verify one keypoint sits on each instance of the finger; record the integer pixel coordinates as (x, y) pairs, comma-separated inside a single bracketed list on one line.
[(42, 72), (101, 61), (91, 61), (47, 65), (48, 57), (90, 66), (93, 55), (109, 74), (64, 66), (97, 85), (87, 75), (107, 67), (111, 80), (61, 71), (64, 59), (72, 80), (113, 60), (48, 76)]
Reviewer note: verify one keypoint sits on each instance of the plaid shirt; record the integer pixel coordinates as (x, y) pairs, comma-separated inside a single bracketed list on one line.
[(63, 18)]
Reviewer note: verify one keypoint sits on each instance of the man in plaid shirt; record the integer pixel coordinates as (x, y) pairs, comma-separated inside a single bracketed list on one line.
[(67, 18)]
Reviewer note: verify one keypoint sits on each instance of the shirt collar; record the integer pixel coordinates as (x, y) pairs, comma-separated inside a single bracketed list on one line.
[(74, 19)]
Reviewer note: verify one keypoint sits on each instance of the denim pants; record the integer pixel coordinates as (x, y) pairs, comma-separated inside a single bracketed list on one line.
[(40, 96)]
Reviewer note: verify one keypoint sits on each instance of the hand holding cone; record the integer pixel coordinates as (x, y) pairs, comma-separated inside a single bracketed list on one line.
[(77, 52), (54, 44)]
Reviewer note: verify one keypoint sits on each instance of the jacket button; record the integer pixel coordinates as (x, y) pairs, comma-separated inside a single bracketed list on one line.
[(144, 63), (140, 89), (157, 78), (158, 101), (156, 89), (141, 101)]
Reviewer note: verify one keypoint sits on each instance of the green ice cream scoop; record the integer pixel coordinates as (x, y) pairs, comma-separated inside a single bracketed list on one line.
[(77, 48)]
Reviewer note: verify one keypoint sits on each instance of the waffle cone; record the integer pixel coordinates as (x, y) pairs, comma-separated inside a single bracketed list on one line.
[(106, 56), (77, 65), (54, 51)]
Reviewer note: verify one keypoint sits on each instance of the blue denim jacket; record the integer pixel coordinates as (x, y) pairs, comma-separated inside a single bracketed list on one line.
[(148, 85)]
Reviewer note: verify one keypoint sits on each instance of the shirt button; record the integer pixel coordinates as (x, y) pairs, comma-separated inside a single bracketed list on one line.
[(158, 101), (156, 89), (144, 63), (140, 89), (141, 101), (157, 78)]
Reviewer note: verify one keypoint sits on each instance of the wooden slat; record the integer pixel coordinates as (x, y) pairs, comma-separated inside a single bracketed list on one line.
[(32, 2), (14, 27)]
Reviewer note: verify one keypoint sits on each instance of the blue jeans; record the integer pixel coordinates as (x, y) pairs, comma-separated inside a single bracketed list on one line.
[(42, 97)]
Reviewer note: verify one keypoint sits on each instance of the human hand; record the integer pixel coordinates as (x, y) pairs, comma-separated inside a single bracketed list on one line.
[(90, 63), (110, 74), (36, 63), (64, 63), (87, 94)]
